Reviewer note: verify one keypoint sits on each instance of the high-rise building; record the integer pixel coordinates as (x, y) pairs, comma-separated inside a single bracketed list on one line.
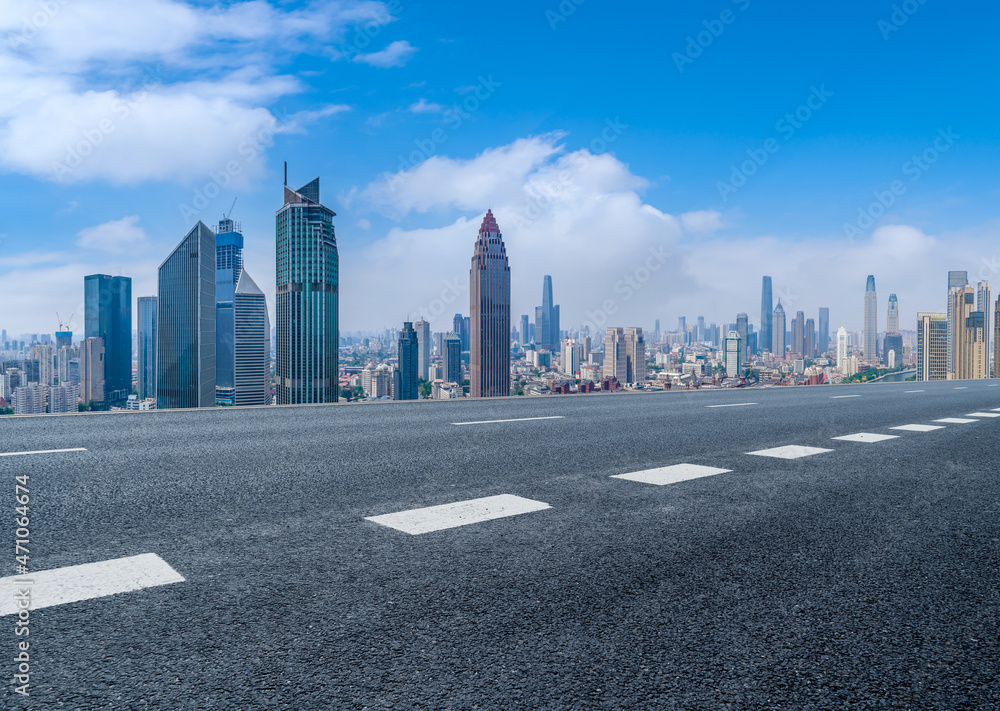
[(251, 345), (824, 330), (892, 344), (452, 351), (870, 340), (892, 316), (228, 268), (29, 400), (766, 315), (489, 306), (92, 370), (108, 316), (742, 321), (63, 398), (547, 319), (778, 325), (66, 373), (962, 307), (973, 359), (572, 357), (307, 299), (799, 334), (635, 352), (996, 340), (983, 304), (146, 347), (956, 280), (185, 321), (423, 329), (408, 363), (64, 339), (843, 351), (615, 357), (525, 335), (733, 353), (461, 329), (809, 339), (45, 357)]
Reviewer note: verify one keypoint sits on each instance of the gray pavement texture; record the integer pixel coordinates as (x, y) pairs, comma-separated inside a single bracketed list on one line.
[(863, 578)]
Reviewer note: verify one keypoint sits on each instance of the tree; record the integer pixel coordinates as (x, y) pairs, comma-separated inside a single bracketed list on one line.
[(358, 392), (425, 388)]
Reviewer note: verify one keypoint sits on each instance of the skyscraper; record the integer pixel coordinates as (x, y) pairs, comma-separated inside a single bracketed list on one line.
[(251, 345), (996, 340), (408, 363), (824, 330), (842, 350), (956, 280), (766, 315), (228, 268), (966, 345), (423, 329), (525, 335), (307, 299), (892, 344), (546, 321), (461, 329), (92, 370), (489, 309), (452, 359), (799, 334), (932, 346), (108, 316), (778, 326), (742, 321), (635, 355), (185, 320), (973, 358), (892, 316), (615, 356), (870, 340), (146, 367), (983, 304), (809, 339), (733, 350)]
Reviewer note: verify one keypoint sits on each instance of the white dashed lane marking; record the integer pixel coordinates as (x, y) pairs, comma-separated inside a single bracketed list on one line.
[(791, 451), (516, 419), (672, 474), (842, 397), (460, 513), (735, 404), (918, 428), (75, 583), (983, 414), (914, 391), (41, 451), (866, 437), (956, 421)]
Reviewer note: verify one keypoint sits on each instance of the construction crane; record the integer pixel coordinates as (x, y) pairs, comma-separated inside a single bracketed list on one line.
[(69, 322)]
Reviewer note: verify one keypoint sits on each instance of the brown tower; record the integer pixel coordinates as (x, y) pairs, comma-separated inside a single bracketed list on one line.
[(489, 310)]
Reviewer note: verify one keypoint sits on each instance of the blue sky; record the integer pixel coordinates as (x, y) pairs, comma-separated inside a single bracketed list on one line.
[(601, 136)]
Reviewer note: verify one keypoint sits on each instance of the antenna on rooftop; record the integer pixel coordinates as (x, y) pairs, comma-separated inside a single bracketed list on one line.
[(227, 215)]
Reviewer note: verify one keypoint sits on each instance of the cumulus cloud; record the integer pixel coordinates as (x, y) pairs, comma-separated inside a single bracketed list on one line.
[(115, 236), (701, 221), (396, 54), (423, 106)]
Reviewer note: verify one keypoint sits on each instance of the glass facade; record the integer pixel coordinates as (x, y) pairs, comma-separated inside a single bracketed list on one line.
[(108, 315), (489, 309), (307, 317), (185, 358), (146, 366), (766, 315), (408, 360), (228, 268), (251, 345)]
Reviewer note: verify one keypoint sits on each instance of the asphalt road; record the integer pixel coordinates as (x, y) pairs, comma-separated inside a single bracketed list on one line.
[(865, 577)]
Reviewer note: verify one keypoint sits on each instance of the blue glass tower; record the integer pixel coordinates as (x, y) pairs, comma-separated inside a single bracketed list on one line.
[(766, 315), (108, 316), (228, 269)]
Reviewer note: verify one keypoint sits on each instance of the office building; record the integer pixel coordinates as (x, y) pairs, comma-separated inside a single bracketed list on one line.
[(983, 294), (408, 363), (45, 357), (307, 299), (251, 345), (778, 326), (733, 351), (973, 358), (460, 327), (572, 357), (766, 315), (892, 316), (423, 329), (92, 370), (870, 338), (185, 320), (66, 373), (843, 349), (798, 346), (452, 357), (635, 352), (525, 334), (547, 319), (146, 347), (809, 339), (996, 340), (962, 306), (956, 280), (824, 330), (615, 358), (228, 268), (742, 323), (489, 306), (108, 316)]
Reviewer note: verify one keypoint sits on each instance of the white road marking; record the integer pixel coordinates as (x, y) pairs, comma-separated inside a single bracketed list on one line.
[(460, 513), (996, 409), (866, 437), (994, 385), (791, 451), (671, 474), (956, 421), (735, 404), (516, 419), (918, 428), (41, 451), (962, 388), (914, 391), (75, 583), (983, 414), (841, 397)]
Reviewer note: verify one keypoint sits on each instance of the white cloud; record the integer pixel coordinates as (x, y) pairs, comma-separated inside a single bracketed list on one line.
[(701, 221), (101, 89), (115, 236), (396, 54), (425, 107)]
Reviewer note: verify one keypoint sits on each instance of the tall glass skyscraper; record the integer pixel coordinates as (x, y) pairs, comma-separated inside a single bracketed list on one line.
[(408, 363), (778, 338), (547, 319), (489, 309), (956, 280), (824, 330), (742, 321), (892, 316), (228, 268), (308, 279), (251, 345), (870, 339), (185, 321), (146, 370), (108, 315), (766, 315)]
